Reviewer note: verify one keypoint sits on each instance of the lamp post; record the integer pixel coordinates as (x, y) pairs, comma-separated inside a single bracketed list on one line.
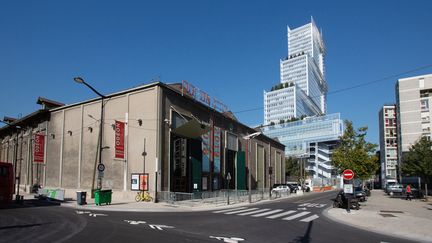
[(248, 138), (302, 158), (81, 81)]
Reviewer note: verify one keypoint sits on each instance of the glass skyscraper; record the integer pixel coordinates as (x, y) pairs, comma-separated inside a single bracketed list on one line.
[(303, 89), (301, 94)]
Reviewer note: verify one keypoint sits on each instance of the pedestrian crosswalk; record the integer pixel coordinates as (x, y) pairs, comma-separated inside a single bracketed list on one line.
[(268, 213)]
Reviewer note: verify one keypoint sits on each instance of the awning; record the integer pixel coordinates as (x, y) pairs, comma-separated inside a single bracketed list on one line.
[(192, 129)]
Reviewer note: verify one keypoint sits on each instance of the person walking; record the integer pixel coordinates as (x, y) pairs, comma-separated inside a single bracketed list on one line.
[(408, 192)]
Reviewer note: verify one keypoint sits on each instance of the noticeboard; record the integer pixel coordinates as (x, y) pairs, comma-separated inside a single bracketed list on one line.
[(139, 181), (348, 188)]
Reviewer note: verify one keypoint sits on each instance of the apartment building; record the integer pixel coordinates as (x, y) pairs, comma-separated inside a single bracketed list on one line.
[(413, 97), (388, 144)]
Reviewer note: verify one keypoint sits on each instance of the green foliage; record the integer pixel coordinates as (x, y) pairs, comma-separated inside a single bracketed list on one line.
[(292, 166), (282, 86), (418, 161), (355, 153)]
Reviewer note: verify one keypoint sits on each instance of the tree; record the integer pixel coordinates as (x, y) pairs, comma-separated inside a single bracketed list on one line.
[(292, 167), (355, 153), (418, 161)]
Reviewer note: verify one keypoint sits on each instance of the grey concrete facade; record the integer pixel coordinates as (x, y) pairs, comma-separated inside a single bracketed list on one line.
[(388, 144), (413, 96), (71, 143)]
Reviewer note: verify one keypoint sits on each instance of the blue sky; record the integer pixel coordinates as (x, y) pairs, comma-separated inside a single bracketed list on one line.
[(231, 49)]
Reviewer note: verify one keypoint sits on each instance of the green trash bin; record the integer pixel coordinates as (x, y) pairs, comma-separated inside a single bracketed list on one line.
[(102, 196)]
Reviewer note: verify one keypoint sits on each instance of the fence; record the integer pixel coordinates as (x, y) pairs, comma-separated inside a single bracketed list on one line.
[(219, 197)]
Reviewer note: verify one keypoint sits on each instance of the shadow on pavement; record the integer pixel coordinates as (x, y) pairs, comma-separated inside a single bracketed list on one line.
[(20, 226), (306, 237), (29, 203)]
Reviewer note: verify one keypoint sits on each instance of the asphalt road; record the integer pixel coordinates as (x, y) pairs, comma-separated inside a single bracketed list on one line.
[(297, 219)]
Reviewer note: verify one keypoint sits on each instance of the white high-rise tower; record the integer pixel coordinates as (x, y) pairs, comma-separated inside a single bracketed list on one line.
[(303, 89)]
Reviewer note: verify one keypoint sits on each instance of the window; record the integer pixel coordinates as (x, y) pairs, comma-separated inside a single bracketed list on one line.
[(421, 83), (424, 104)]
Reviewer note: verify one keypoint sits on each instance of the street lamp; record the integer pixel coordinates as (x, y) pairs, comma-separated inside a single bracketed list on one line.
[(81, 81), (302, 158), (248, 138)]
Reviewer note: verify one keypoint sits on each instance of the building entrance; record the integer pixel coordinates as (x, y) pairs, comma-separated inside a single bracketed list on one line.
[(186, 164)]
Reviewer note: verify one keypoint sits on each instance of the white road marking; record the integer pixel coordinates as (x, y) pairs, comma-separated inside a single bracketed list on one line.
[(134, 222), (241, 211), (82, 212), (226, 239), (281, 214), (97, 214), (253, 212), (301, 208), (296, 216), (310, 218), (160, 226), (304, 204), (267, 213), (227, 210)]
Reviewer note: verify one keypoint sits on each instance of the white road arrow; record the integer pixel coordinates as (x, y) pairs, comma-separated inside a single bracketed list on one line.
[(134, 222), (82, 212), (97, 214), (226, 239), (160, 226)]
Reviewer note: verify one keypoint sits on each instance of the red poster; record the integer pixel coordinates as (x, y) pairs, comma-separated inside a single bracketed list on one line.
[(143, 182), (119, 140), (39, 148)]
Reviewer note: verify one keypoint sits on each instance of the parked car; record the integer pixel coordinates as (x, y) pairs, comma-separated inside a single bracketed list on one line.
[(388, 185), (294, 187), (395, 189), (281, 189)]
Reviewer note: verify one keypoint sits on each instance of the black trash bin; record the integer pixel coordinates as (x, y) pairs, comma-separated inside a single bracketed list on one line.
[(81, 197)]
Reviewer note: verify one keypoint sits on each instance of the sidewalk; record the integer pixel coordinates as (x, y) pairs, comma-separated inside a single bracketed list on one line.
[(390, 216), (130, 205)]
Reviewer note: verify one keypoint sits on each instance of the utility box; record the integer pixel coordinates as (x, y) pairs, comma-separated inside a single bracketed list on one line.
[(102, 196), (81, 197)]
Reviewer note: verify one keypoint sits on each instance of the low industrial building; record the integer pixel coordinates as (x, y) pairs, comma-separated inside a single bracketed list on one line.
[(174, 136)]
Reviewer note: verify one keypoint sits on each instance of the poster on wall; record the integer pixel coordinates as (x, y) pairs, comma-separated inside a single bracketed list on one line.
[(139, 182), (39, 148), (143, 182), (135, 182), (217, 148), (206, 151), (119, 140)]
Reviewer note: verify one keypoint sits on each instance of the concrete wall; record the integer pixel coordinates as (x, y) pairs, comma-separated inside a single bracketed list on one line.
[(409, 109), (72, 133), (72, 151)]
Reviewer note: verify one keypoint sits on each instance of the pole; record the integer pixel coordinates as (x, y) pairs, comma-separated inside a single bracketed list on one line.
[(99, 182), (81, 81), (249, 174), (16, 166), (144, 155), (270, 172)]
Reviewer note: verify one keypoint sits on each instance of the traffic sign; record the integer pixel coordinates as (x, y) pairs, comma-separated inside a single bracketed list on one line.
[(101, 167), (348, 174)]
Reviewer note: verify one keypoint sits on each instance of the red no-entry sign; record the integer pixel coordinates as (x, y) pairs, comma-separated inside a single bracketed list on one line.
[(348, 174)]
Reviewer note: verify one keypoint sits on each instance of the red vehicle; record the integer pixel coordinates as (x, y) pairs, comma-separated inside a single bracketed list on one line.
[(6, 182)]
